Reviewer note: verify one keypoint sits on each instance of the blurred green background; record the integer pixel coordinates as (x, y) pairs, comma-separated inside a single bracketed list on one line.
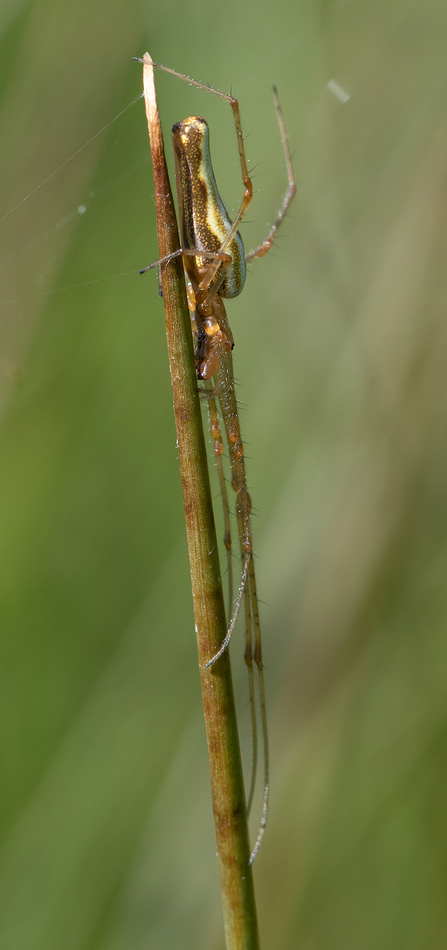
[(107, 840)]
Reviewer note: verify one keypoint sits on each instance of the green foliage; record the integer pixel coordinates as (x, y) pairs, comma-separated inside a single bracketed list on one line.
[(107, 840)]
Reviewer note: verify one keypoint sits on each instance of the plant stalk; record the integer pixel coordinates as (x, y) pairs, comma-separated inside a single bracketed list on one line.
[(227, 785)]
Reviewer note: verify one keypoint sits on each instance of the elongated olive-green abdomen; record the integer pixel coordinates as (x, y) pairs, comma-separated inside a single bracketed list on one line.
[(204, 222)]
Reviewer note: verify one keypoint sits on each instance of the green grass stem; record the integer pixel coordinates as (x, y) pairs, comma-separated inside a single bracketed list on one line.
[(228, 795)]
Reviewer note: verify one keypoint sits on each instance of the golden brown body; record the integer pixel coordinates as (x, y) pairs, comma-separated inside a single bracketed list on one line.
[(204, 222)]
